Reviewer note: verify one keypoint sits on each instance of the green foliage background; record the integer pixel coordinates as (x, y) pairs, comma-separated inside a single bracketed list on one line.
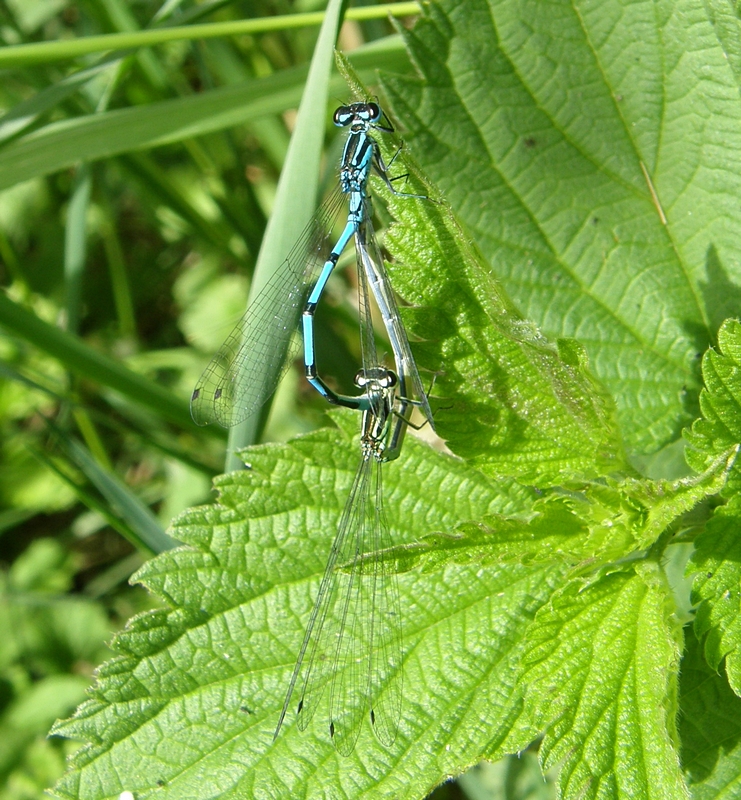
[(570, 576)]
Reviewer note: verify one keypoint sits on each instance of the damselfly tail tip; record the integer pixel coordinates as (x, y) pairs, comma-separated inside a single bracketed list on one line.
[(280, 724)]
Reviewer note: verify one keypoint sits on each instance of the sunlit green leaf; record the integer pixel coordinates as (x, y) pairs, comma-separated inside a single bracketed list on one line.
[(601, 671), (593, 152), (584, 530), (240, 593), (641, 510)]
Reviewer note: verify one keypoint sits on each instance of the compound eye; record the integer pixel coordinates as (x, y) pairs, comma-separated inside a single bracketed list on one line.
[(374, 111), (390, 379), (342, 116), (360, 379)]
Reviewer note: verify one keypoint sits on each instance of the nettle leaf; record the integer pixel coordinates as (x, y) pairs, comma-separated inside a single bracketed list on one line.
[(715, 590), (506, 398), (600, 668), (565, 530), (547, 535), (587, 529), (594, 153), (724, 16), (191, 703), (509, 401), (710, 727), (638, 511), (720, 401)]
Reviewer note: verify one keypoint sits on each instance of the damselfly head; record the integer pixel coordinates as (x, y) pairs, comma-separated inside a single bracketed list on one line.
[(378, 378), (357, 113)]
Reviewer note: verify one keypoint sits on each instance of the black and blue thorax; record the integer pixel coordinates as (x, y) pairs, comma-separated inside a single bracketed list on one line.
[(356, 165)]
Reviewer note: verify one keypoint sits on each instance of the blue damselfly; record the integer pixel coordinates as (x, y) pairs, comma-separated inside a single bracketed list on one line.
[(247, 368)]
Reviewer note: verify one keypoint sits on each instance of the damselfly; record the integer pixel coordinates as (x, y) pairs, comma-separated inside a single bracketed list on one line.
[(352, 643), (246, 369)]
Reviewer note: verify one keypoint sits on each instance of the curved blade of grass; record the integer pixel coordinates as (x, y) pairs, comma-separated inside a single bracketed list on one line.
[(158, 439), (120, 498), (28, 111), (297, 190), (75, 243), (60, 144), (120, 286), (93, 502)]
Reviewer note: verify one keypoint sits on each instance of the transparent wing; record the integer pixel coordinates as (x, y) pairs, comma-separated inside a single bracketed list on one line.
[(319, 643), (353, 639), (386, 687), (249, 365), (368, 252), (368, 665), (349, 631), (336, 606)]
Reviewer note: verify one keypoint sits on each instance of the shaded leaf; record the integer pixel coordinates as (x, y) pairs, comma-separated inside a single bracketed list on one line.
[(510, 402), (710, 727), (715, 590), (720, 402)]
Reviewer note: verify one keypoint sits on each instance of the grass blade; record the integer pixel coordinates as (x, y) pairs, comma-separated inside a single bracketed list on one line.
[(297, 189), (44, 52), (83, 360)]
